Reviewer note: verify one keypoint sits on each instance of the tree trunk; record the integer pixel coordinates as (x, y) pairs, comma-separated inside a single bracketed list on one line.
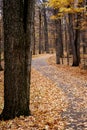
[(0, 44), (45, 31), (18, 18), (0, 59), (28, 42), (61, 38), (75, 42), (76, 37), (40, 46), (67, 38), (34, 40), (58, 41)]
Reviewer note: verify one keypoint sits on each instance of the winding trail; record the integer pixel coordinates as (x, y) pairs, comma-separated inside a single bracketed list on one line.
[(75, 89)]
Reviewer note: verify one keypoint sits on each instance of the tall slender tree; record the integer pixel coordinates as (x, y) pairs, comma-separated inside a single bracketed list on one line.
[(34, 40), (76, 36), (58, 40), (40, 46), (45, 28)]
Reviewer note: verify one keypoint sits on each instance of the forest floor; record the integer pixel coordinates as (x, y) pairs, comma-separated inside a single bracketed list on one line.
[(58, 99)]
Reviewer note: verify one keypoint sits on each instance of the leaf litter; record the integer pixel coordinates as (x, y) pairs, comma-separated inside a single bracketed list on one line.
[(47, 102), (74, 80)]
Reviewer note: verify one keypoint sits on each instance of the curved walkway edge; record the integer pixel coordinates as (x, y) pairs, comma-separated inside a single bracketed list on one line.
[(74, 88)]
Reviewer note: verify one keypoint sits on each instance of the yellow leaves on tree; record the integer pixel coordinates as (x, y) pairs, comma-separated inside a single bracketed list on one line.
[(67, 6), (56, 4)]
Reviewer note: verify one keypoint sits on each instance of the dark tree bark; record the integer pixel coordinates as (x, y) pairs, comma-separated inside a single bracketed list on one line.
[(45, 30), (67, 38), (75, 41), (61, 38), (58, 40), (34, 40), (0, 44), (18, 22), (40, 46), (0, 59), (76, 62)]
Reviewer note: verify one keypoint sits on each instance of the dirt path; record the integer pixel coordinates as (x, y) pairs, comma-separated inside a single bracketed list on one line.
[(75, 89)]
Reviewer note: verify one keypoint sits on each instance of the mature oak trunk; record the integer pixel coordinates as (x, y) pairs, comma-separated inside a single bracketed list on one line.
[(18, 17)]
